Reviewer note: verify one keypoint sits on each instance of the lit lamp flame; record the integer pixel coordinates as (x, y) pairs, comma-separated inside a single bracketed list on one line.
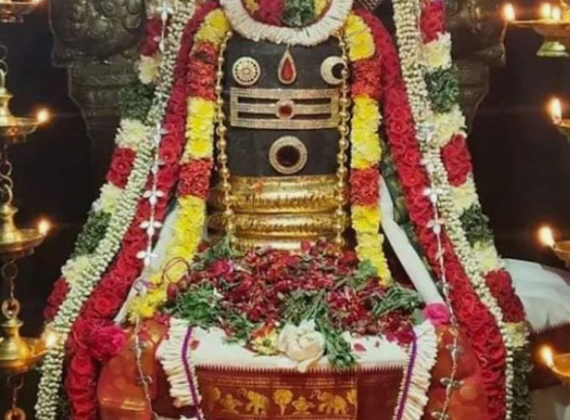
[(509, 12), (556, 14), (43, 116), (547, 356), (44, 226), (546, 10), (50, 338), (546, 236), (555, 110)]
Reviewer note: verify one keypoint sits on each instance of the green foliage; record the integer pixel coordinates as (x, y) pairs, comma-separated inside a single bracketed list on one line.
[(476, 225), (200, 305), (241, 327), (299, 13), (397, 298), (93, 232), (337, 348), (443, 89), (136, 101)]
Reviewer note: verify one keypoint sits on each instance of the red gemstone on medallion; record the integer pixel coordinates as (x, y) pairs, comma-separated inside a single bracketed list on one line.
[(285, 110), (287, 69)]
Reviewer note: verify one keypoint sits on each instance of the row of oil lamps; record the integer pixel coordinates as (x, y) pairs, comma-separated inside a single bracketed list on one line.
[(17, 354), (553, 24)]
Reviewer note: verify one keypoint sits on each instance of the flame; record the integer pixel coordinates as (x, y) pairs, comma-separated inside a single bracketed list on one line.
[(546, 10), (509, 12), (50, 338), (43, 116), (556, 14), (546, 236), (44, 226), (555, 108), (547, 356)]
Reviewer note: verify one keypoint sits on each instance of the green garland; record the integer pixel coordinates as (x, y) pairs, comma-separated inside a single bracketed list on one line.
[(93, 231), (443, 89), (476, 225), (136, 101), (298, 13), (522, 366)]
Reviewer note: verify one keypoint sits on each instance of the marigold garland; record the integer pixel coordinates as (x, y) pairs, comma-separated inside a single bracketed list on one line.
[(366, 153), (197, 161)]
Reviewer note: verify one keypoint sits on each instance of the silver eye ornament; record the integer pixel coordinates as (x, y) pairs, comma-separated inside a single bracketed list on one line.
[(246, 71), (331, 70)]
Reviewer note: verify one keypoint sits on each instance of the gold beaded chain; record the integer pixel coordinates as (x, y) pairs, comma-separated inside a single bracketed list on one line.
[(341, 157), (222, 144)]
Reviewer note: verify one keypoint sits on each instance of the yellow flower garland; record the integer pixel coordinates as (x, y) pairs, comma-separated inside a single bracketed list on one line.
[(366, 152), (191, 218)]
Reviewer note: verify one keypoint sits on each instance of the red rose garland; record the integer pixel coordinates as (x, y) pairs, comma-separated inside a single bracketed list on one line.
[(107, 298), (456, 159), (471, 312), (119, 168)]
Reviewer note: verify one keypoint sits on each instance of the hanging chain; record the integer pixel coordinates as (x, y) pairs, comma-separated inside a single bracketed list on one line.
[(15, 384), (222, 144), (341, 157), (11, 305)]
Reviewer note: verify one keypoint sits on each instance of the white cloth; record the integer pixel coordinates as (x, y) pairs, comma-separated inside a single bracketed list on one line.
[(544, 291), (407, 255)]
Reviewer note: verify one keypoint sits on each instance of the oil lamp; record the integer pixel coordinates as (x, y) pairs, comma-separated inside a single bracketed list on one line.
[(559, 364), (563, 124), (553, 25), (14, 11), (17, 353)]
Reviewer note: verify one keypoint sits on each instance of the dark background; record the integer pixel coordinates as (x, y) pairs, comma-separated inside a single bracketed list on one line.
[(522, 164)]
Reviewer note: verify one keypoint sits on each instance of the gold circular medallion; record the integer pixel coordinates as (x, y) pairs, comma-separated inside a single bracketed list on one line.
[(331, 70), (246, 71), (288, 155)]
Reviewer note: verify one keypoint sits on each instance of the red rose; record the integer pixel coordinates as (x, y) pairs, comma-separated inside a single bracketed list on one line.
[(60, 290), (106, 342), (432, 20), (457, 160), (195, 178), (106, 304), (152, 35), (364, 185), (121, 166), (270, 12), (81, 363), (170, 149)]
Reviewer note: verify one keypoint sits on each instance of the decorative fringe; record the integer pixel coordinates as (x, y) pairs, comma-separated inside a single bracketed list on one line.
[(417, 379), (332, 21), (175, 356)]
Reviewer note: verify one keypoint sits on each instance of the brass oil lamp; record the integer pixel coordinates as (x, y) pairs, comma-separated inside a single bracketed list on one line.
[(14, 11), (553, 25)]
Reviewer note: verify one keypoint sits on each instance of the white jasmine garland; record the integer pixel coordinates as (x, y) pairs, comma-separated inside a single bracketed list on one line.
[(49, 388), (406, 16), (311, 35)]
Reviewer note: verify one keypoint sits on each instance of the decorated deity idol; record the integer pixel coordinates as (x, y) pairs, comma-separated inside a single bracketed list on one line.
[(289, 229)]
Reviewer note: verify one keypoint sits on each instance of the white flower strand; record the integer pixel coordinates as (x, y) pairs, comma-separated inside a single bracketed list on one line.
[(406, 16), (48, 394)]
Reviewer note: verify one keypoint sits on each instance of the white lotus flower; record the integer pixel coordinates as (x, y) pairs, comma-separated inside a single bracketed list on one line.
[(303, 344)]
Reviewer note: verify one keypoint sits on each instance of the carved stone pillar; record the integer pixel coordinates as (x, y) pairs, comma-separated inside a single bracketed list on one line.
[(96, 40)]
